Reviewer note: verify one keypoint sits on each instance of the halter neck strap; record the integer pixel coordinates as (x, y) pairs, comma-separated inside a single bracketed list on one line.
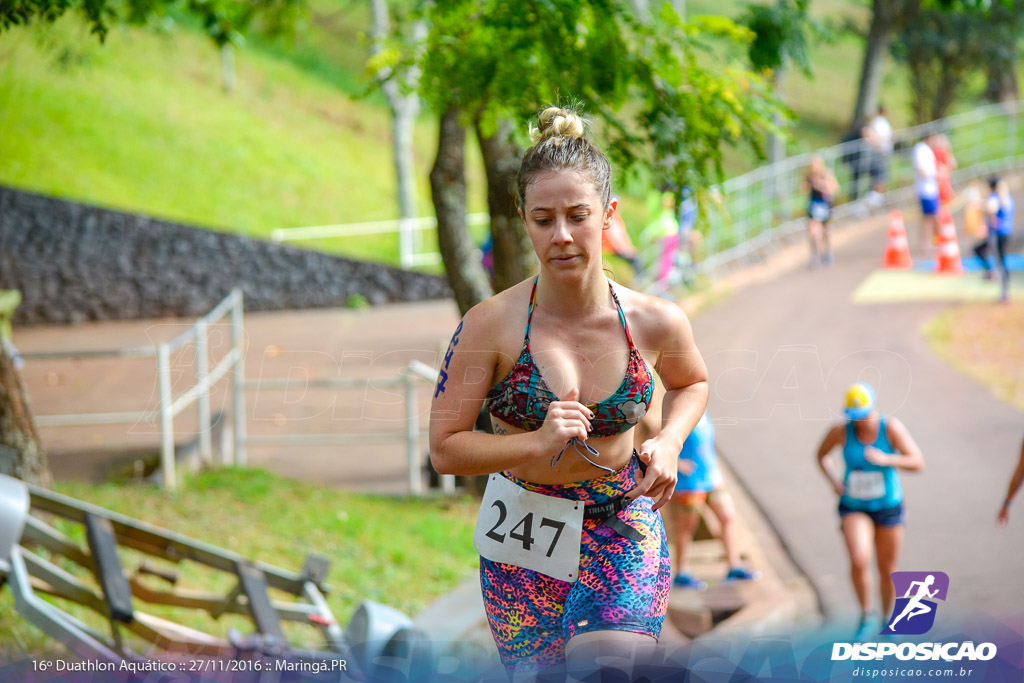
[(615, 298)]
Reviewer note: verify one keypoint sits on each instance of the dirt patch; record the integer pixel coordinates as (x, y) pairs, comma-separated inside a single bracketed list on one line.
[(983, 342)]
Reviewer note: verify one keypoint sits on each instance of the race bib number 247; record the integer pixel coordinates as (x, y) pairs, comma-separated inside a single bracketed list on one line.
[(529, 529)]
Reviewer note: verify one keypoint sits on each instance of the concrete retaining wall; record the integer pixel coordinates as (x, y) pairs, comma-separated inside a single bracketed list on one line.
[(74, 262)]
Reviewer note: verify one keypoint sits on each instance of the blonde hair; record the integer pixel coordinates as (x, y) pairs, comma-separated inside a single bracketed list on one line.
[(560, 144), (557, 123)]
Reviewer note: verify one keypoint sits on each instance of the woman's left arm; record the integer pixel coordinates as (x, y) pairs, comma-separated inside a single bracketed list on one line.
[(907, 456), (685, 379)]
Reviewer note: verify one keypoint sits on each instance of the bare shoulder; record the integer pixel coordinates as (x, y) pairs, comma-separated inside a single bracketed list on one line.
[(654, 323), (893, 426), (495, 321), (835, 435)]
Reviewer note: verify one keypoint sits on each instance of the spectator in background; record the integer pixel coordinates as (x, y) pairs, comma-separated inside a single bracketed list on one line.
[(673, 231), (945, 164), (615, 240), (664, 232), (927, 185), (1015, 481), (878, 136), (823, 187), (487, 257), (689, 238), (999, 211)]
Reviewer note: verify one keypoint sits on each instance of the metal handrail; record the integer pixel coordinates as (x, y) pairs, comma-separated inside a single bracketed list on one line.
[(762, 208), (412, 434), (409, 256), (169, 406)]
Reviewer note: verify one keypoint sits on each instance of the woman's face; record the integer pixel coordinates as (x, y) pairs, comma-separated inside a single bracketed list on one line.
[(564, 217)]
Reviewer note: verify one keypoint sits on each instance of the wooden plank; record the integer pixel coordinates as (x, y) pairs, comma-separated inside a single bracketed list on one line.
[(161, 542), (109, 571), (254, 585), (42, 534)]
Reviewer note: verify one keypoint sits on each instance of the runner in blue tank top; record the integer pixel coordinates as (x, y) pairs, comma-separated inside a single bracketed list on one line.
[(870, 495), (700, 482)]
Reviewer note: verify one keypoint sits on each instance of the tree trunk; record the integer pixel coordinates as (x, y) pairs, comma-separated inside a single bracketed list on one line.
[(879, 31), (404, 108), (448, 189), (21, 453), (776, 150), (945, 96), (642, 9), (1002, 82), (514, 258), (227, 67), (887, 17)]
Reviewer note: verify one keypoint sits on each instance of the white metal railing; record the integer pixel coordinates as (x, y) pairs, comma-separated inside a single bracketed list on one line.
[(169, 406), (408, 379), (761, 208), (410, 248)]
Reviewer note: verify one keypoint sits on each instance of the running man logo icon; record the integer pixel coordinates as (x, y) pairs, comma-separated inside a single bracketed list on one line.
[(914, 613)]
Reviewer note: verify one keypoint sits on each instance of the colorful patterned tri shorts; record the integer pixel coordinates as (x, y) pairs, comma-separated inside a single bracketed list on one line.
[(623, 585)]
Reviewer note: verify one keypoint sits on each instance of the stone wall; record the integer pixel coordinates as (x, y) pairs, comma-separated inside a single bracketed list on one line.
[(74, 262)]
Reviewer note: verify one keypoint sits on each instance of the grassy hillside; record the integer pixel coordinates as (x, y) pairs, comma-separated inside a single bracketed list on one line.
[(141, 122)]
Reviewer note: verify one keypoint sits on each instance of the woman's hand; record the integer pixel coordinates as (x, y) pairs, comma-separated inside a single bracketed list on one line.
[(566, 419), (877, 457), (686, 466), (659, 482), (838, 487)]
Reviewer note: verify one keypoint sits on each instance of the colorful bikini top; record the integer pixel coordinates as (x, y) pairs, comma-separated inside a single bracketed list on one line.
[(522, 398)]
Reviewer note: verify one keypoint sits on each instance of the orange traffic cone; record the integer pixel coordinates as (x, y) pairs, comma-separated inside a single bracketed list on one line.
[(948, 262), (897, 251)]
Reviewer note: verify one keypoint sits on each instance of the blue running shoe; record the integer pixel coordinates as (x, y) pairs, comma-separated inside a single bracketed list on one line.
[(741, 573), (867, 628), (688, 580)]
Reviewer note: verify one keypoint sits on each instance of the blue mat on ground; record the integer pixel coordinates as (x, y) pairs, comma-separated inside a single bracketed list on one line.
[(1015, 262)]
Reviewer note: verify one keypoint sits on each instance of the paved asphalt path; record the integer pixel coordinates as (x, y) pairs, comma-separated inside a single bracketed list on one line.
[(780, 354)]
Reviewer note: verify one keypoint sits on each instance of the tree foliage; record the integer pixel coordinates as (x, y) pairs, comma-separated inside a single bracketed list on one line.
[(665, 98), (224, 21), (948, 43), (782, 33)]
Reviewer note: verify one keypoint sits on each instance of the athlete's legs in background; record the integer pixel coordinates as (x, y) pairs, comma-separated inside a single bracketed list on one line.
[(1001, 241), (858, 532), (685, 518), (888, 540), (721, 504), (814, 237)]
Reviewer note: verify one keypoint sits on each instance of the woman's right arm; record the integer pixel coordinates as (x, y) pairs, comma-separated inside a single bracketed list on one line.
[(834, 437), (466, 374), (1015, 481)]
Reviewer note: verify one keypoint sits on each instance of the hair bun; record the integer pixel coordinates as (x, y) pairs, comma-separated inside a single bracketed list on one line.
[(556, 122)]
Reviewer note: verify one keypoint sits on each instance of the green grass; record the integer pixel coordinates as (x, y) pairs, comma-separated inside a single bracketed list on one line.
[(398, 551), (141, 123)]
